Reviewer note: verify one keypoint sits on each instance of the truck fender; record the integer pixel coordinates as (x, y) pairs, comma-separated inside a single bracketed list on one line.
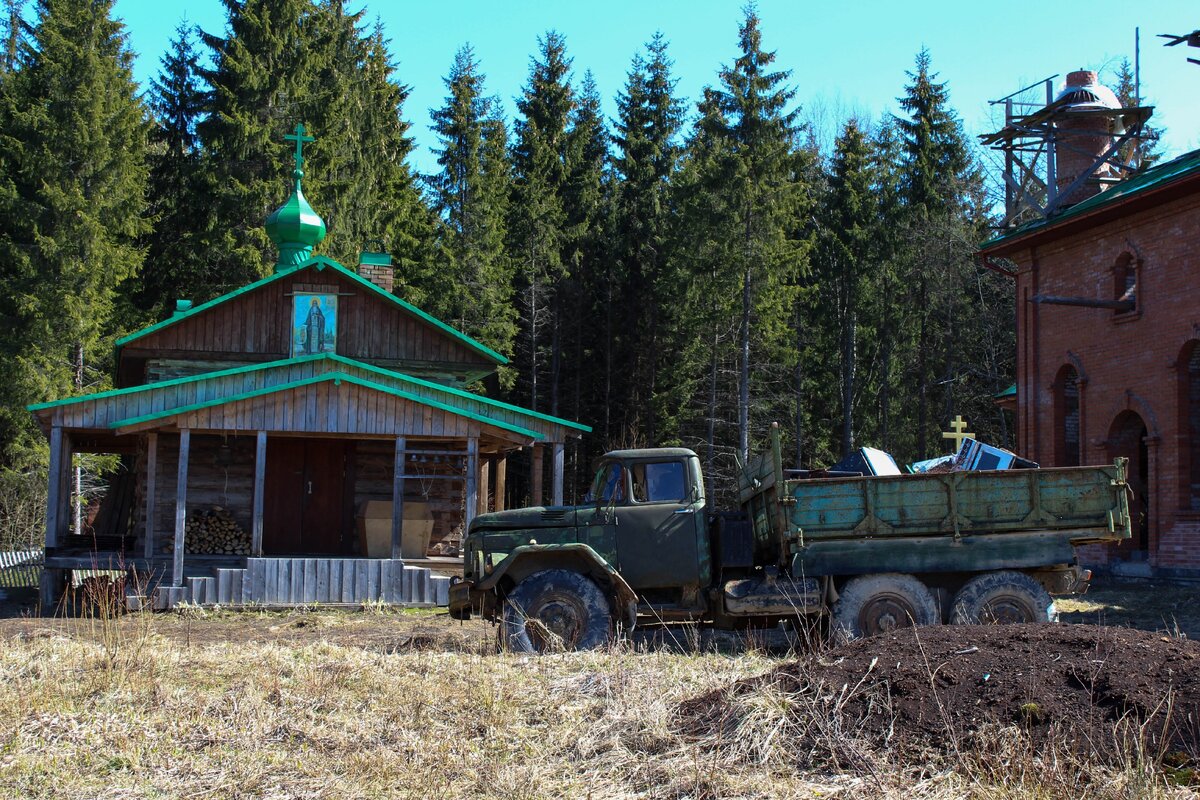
[(578, 557)]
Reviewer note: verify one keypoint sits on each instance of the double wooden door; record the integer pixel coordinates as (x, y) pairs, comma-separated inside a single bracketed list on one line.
[(308, 497)]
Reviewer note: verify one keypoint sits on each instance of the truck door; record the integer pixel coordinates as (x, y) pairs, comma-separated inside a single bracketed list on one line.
[(656, 528)]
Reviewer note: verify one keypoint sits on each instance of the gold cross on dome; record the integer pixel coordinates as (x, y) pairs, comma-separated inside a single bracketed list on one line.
[(960, 432), (299, 138)]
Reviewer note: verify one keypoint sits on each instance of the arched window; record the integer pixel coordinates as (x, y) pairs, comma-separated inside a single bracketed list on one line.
[(1066, 418), (1125, 284), (1189, 425)]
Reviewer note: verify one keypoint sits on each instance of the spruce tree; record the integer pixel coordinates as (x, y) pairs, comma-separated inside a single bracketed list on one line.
[(177, 263), (537, 221), (844, 261), (646, 136), (73, 170), (763, 190), (942, 192), (260, 74), (470, 195)]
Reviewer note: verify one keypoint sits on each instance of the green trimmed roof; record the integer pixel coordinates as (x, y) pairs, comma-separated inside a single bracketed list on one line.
[(488, 401), (322, 263), (1152, 178), (336, 377)]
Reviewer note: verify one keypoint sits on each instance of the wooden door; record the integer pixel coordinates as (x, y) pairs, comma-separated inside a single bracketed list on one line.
[(307, 493), (283, 489), (324, 496)]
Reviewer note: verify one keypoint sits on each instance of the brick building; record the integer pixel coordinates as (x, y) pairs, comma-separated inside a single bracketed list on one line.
[(1108, 322)]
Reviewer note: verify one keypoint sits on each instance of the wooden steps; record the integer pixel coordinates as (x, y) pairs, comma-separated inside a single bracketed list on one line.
[(308, 581)]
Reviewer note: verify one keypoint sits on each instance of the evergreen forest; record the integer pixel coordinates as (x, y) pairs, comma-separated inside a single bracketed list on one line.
[(685, 272)]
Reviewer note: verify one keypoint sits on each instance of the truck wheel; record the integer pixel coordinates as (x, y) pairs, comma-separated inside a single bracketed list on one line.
[(871, 604), (555, 609), (1002, 597)]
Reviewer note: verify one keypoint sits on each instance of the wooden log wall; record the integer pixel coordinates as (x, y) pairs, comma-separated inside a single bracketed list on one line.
[(373, 474), (209, 484)]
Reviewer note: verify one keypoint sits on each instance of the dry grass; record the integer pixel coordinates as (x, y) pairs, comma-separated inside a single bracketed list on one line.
[(327, 704)]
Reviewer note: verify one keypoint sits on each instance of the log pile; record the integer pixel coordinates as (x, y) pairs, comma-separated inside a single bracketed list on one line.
[(214, 531)]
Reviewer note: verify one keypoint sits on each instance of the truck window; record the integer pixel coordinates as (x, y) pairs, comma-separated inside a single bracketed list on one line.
[(659, 483)]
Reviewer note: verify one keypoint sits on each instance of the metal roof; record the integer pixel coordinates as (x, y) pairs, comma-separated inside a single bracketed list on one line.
[(342, 360)]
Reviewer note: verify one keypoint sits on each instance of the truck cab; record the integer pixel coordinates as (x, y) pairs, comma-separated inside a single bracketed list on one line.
[(640, 536)]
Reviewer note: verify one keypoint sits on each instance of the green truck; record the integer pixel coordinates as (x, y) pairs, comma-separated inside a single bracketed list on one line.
[(865, 554)]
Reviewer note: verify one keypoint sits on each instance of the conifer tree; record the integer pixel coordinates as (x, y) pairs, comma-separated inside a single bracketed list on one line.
[(261, 71), (471, 197), (941, 189), (72, 184), (540, 157), (177, 262), (647, 129), (844, 261), (762, 189)]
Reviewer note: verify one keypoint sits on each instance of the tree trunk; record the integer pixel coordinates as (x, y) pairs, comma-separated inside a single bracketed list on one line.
[(849, 337), (711, 422)]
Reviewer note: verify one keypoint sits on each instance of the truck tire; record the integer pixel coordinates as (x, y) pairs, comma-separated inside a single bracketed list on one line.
[(1002, 597), (871, 604), (555, 609)]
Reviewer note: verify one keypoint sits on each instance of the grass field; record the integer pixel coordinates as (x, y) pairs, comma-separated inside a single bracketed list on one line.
[(330, 704)]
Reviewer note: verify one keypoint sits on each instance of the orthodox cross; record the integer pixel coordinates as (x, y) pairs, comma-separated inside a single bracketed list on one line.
[(959, 433), (299, 138)]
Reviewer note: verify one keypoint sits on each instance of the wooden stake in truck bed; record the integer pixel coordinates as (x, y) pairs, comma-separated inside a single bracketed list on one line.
[(867, 553)]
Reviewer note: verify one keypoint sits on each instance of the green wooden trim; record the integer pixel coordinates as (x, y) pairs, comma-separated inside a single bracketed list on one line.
[(336, 377), (460, 393), (287, 362), (203, 376), (321, 262)]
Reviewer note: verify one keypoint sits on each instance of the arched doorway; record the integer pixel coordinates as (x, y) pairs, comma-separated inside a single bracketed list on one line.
[(1066, 418), (1127, 439)]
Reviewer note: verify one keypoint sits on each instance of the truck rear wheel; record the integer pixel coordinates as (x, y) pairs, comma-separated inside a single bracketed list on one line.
[(871, 604), (555, 609), (1002, 597)]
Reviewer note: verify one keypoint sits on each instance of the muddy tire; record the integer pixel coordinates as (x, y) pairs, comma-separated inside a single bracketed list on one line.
[(554, 610), (871, 604), (1002, 597)]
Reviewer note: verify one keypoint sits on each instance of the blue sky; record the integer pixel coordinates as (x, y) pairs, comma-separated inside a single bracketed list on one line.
[(847, 58)]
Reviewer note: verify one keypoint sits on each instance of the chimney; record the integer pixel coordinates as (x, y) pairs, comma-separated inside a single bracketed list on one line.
[(1082, 135), (376, 266)]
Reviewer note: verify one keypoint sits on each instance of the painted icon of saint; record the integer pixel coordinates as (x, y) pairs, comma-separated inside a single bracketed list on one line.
[(314, 328)]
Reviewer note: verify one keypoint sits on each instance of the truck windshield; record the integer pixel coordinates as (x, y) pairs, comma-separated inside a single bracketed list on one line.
[(608, 487)]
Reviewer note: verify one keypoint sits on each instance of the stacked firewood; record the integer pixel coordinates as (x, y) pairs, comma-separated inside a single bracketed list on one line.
[(214, 531)]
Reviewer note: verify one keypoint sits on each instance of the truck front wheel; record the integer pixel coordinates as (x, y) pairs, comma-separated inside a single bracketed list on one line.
[(1002, 597), (555, 609), (871, 604)]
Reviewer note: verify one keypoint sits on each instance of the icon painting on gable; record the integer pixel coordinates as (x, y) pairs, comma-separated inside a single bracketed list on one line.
[(314, 324)]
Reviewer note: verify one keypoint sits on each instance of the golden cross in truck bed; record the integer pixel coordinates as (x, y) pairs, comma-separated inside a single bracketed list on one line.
[(960, 432)]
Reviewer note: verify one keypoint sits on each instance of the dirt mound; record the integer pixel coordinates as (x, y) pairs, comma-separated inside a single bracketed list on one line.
[(1090, 688)]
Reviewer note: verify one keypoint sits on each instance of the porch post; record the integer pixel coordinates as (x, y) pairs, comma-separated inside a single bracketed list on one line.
[(185, 445), (501, 476), (151, 490), (485, 478), (398, 497), (54, 489), (556, 473), (260, 480), (472, 500), (536, 477)]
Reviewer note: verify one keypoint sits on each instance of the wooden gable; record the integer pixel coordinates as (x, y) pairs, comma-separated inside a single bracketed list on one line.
[(255, 324)]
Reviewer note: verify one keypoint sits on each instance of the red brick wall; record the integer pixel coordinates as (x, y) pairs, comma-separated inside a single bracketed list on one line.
[(1126, 361)]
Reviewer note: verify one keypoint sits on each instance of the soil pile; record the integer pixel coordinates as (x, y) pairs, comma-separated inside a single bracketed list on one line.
[(1089, 688)]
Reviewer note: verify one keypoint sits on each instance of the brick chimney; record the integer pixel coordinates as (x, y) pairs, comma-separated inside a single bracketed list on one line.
[(376, 266), (1082, 138)]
